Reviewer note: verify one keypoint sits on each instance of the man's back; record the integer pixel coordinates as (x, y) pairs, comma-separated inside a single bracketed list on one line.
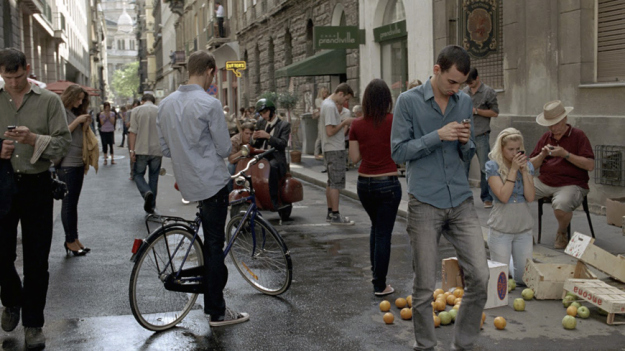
[(329, 115), (193, 132), (143, 124)]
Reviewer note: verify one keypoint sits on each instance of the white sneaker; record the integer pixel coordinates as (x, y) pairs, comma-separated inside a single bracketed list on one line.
[(231, 317), (337, 219)]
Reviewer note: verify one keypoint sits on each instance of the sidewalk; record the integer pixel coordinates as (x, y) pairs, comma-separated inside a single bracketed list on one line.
[(608, 237)]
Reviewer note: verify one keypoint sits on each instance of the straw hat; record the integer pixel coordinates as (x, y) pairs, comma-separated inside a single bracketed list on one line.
[(553, 112)]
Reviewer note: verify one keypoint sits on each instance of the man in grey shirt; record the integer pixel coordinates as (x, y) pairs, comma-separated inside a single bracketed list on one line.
[(145, 150), (485, 107), (334, 155), (193, 132)]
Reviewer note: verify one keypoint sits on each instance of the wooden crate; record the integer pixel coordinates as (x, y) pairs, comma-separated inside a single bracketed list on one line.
[(497, 293), (582, 247), (547, 279), (600, 294)]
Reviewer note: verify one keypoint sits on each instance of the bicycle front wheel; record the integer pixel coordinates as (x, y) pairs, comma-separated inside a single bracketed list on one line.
[(261, 256), (155, 307)]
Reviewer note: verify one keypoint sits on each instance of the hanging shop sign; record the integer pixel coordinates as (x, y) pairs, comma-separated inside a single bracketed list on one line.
[(390, 31), (338, 37), (480, 26), (236, 66)]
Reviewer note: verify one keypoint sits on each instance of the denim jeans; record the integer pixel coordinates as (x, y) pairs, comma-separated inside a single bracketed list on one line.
[(73, 177), (520, 246), (461, 227), (32, 208), (142, 163), (482, 148), (380, 198), (213, 212)]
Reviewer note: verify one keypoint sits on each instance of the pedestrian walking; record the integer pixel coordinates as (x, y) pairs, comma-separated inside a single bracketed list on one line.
[(429, 135), (197, 155), (378, 186), (71, 169), (322, 95), (135, 103), (145, 150), (123, 113), (334, 155), (40, 136), (107, 131), (510, 180)]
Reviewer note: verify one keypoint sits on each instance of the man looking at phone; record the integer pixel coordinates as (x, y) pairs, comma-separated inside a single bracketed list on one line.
[(564, 156), (440, 200), (41, 134), (485, 108), (193, 132)]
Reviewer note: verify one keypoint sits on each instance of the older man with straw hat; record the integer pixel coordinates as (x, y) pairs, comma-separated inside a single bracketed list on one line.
[(564, 156)]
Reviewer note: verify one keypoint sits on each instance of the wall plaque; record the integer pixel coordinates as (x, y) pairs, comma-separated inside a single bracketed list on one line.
[(480, 26)]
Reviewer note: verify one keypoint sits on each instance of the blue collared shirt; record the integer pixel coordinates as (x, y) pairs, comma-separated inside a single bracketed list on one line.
[(192, 131), (435, 170)]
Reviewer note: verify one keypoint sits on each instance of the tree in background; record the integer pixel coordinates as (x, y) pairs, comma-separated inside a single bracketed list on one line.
[(126, 81)]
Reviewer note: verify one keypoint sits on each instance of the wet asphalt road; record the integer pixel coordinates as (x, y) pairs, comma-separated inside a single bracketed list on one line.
[(330, 305)]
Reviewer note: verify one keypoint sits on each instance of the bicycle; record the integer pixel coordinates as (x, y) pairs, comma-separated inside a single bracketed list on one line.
[(167, 274)]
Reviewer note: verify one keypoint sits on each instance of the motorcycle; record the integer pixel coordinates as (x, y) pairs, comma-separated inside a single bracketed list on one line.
[(290, 189)]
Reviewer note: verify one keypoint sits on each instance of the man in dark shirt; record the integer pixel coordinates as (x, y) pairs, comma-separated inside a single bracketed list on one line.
[(564, 156), (485, 107)]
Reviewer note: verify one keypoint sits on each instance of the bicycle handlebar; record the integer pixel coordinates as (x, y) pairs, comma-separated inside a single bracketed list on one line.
[(252, 162)]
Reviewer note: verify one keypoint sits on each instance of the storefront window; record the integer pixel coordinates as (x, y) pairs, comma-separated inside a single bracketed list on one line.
[(395, 52)]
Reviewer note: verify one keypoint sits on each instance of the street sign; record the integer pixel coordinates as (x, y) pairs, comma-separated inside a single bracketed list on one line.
[(235, 66), (338, 37)]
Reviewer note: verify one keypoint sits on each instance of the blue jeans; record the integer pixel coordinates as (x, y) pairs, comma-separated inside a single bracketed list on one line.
[(141, 165), (462, 229), (73, 177), (380, 198), (482, 148), (213, 212), (520, 246)]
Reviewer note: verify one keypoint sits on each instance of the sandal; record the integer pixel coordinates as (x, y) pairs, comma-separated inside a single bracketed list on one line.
[(105, 162), (113, 162)]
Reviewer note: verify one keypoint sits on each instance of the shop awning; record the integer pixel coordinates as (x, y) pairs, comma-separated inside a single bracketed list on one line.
[(325, 63)]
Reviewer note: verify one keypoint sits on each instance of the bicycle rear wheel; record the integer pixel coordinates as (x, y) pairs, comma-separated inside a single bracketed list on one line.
[(262, 259), (155, 307)]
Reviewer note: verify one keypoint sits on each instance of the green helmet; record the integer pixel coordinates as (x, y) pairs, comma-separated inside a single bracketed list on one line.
[(264, 104)]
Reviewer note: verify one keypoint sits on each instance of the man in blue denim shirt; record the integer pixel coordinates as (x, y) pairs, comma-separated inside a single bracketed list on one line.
[(429, 136)]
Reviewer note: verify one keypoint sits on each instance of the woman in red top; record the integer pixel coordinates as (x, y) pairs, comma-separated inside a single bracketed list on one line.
[(379, 189)]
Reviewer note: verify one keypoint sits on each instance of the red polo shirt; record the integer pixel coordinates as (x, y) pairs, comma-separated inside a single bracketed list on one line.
[(558, 171)]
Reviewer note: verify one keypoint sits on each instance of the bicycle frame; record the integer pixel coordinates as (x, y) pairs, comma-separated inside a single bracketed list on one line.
[(178, 280)]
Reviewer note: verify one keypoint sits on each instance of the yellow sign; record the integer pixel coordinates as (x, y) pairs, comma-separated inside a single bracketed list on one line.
[(235, 66)]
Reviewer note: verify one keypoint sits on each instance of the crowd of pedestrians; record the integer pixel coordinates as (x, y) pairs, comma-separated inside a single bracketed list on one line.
[(433, 129)]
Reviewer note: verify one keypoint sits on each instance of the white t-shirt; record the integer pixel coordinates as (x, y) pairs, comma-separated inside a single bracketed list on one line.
[(220, 11), (329, 115)]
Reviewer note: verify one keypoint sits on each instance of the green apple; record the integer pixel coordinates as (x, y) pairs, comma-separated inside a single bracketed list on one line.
[(583, 312), (576, 304), (527, 294), (519, 304), (569, 322), (511, 285), (568, 300), (445, 318), (453, 313)]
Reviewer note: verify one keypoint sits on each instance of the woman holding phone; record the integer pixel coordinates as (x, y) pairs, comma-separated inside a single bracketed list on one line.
[(71, 169), (107, 131), (509, 174)]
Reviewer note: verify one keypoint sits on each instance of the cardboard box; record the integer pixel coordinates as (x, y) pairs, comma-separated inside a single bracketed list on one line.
[(582, 247), (497, 284), (547, 279), (615, 210)]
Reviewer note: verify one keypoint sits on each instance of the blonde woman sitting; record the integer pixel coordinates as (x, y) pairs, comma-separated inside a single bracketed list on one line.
[(509, 174)]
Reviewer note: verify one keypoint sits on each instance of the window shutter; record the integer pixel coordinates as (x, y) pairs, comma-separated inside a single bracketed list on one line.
[(611, 41)]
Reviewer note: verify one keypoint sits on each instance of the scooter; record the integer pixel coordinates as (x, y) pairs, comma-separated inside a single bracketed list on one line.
[(291, 189)]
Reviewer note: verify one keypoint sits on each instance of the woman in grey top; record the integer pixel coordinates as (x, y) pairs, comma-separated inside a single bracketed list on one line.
[(510, 182), (72, 167)]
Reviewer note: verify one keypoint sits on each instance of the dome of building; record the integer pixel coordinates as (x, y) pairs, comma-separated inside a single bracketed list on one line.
[(124, 23)]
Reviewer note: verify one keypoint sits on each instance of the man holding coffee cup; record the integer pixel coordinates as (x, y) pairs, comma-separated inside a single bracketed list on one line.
[(564, 156)]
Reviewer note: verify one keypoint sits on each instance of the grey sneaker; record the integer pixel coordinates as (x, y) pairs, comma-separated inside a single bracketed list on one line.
[(10, 318), (231, 317), (337, 219), (34, 338), (329, 217)]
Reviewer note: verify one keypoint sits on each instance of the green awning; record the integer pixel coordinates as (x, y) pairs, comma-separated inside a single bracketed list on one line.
[(325, 63)]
